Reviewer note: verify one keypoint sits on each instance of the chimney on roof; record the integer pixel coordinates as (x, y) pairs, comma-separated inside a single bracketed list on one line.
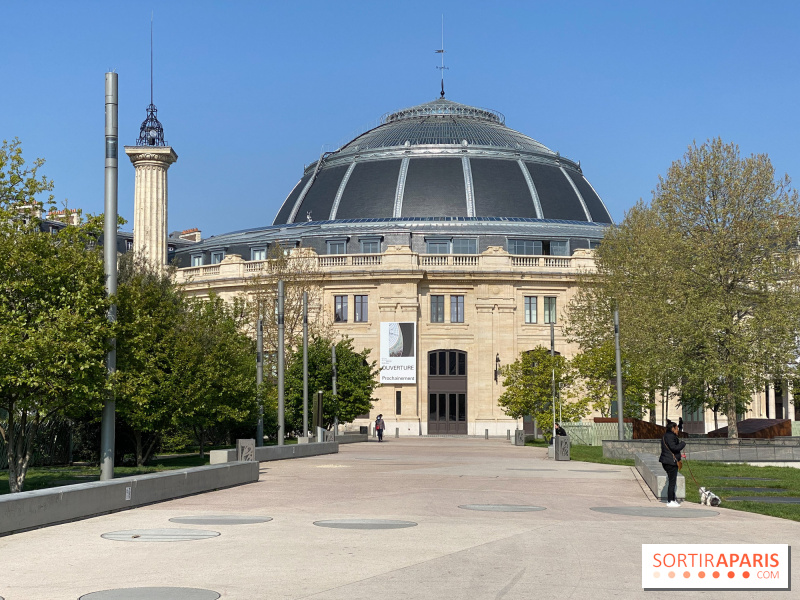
[(70, 216), (191, 235)]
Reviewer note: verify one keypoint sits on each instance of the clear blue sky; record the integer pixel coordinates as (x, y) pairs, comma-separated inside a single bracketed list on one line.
[(250, 92)]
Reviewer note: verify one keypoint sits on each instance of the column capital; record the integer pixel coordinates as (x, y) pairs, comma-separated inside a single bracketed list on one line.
[(160, 154)]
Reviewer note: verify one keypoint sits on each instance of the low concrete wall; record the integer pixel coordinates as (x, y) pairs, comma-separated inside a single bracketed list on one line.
[(38, 508), (268, 453), (352, 438), (714, 450), (655, 476)]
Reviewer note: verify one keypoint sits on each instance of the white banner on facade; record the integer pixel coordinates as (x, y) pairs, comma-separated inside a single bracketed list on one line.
[(398, 352)]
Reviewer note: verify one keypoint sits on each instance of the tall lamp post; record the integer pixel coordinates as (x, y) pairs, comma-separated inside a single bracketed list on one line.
[(259, 380), (619, 375), (110, 266)]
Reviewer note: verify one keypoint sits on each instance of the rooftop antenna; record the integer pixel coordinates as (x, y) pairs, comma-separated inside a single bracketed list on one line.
[(151, 133), (442, 68), (151, 57)]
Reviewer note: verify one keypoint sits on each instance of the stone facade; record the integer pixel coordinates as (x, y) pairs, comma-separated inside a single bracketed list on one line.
[(399, 283)]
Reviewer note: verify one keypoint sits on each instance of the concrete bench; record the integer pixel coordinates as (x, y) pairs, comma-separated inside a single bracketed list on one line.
[(656, 478), (268, 453), (28, 510)]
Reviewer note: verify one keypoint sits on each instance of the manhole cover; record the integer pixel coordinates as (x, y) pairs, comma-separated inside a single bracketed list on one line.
[(751, 489), (221, 520), (659, 512), (153, 593), (745, 478), (530, 469), (501, 507), (364, 524), (593, 471), (765, 499), (160, 535)]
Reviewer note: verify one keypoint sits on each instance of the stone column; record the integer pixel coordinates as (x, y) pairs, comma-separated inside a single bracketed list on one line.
[(789, 400), (770, 391), (150, 200)]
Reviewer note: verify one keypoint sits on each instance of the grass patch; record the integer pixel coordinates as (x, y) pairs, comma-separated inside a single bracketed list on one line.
[(786, 482)]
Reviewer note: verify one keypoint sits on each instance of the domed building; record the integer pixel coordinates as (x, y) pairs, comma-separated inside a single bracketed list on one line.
[(445, 241)]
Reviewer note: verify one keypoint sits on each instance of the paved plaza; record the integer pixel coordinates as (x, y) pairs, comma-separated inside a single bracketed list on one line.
[(408, 518)]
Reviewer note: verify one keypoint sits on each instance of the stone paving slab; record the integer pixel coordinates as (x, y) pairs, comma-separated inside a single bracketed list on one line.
[(565, 551)]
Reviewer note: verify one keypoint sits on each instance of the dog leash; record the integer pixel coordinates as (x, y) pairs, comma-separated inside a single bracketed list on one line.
[(692, 474)]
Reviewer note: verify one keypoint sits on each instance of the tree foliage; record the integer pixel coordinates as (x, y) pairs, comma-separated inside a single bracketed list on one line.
[(528, 383), (357, 379), (214, 369), (149, 313), (53, 313), (705, 277)]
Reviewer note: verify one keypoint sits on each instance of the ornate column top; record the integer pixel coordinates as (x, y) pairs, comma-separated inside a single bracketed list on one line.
[(162, 154)]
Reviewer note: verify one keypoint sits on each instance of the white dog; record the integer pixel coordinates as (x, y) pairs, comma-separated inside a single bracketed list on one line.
[(709, 498)]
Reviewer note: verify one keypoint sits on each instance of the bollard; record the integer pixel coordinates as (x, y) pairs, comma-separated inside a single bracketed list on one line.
[(487, 434), (508, 434), (397, 432)]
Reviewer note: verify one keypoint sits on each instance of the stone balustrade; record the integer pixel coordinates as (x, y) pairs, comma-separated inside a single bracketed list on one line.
[(396, 258)]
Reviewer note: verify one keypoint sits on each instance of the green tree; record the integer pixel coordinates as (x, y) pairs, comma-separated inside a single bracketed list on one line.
[(214, 367), (705, 277), (528, 383), (596, 372), (356, 381), (149, 312), (53, 313)]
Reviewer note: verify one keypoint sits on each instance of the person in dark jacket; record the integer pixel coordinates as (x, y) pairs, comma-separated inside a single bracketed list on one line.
[(560, 430), (671, 447), (379, 427)]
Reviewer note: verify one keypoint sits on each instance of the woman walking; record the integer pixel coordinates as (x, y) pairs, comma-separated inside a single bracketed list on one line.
[(670, 458), (379, 427)]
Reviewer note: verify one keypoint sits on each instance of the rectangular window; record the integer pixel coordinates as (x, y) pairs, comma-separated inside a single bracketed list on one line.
[(465, 246), (370, 246), (129, 245), (558, 249), (549, 310), (53, 229), (337, 247), (438, 246), (398, 402), (530, 309), (437, 309), (258, 254), (362, 311), (456, 309), (216, 257), (524, 247), (197, 260), (340, 309)]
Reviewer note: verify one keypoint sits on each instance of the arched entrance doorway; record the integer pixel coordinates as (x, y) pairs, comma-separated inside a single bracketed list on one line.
[(447, 392)]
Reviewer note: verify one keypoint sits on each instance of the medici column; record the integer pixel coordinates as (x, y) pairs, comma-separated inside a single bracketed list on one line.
[(151, 157)]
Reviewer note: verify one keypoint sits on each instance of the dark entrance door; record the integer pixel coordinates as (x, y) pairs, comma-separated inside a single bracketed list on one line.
[(447, 392)]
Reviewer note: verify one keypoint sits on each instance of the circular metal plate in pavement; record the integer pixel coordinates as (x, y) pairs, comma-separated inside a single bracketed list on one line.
[(765, 499), (364, 524), (160, 535), (659, 512), (751, 489), (530, 469), (745, 478), (153, 593), (593, 471), (501, 507), (221, 520)]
